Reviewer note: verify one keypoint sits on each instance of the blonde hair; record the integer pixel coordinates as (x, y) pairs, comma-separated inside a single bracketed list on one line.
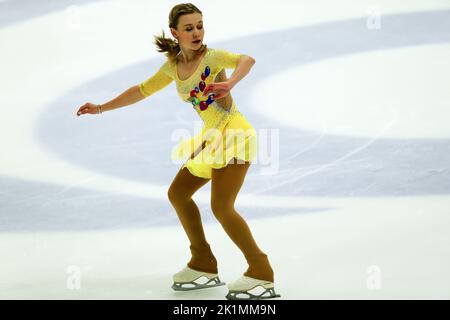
[(168, 45)]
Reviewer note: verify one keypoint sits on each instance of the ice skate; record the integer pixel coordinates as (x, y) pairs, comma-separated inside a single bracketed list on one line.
[(190, 279), (246, 288)]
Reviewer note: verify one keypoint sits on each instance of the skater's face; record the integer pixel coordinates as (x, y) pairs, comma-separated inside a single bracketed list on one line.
[(189, 29)]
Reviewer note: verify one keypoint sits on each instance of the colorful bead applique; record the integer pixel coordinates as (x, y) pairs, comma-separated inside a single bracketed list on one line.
[(197, 92)]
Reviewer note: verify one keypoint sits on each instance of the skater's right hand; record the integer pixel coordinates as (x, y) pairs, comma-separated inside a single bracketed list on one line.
[(87, 108)]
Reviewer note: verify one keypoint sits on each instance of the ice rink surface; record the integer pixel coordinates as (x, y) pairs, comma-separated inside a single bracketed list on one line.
[(349, 194)]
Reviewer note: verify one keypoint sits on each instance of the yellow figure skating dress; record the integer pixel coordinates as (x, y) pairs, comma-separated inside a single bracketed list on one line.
[(225, 134)]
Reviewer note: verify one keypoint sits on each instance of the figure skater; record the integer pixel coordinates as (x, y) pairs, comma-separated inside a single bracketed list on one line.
[(198, 70)]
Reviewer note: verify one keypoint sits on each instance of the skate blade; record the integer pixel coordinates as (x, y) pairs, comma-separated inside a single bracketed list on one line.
[(233, 295), (214, 282)]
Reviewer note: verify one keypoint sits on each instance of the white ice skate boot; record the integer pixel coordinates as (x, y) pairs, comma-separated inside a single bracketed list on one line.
[(190, 279), (246, 288)]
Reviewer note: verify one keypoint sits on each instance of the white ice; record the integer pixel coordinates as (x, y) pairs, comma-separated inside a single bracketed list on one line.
[(357, 205)]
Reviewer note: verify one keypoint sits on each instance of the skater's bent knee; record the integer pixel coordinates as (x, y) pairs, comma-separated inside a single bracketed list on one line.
[(221, 208), (175, 196)]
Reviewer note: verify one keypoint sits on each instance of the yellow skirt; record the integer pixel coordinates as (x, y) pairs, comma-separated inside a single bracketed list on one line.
[(214, 149)]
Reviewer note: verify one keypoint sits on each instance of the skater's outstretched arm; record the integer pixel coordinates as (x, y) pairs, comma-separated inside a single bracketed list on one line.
[(129, 96), (132, 95)]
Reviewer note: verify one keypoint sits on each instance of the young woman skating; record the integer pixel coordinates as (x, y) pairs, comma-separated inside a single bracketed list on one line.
[(212, 155)]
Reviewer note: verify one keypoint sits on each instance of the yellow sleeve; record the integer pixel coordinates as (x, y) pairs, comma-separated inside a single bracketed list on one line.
[(226, 59), (161, 79)]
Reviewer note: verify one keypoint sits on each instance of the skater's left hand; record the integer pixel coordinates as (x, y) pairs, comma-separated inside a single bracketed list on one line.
[(220, 89)]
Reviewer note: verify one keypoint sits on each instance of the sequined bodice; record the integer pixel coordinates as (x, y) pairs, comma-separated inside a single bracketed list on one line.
[(190, 90)]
